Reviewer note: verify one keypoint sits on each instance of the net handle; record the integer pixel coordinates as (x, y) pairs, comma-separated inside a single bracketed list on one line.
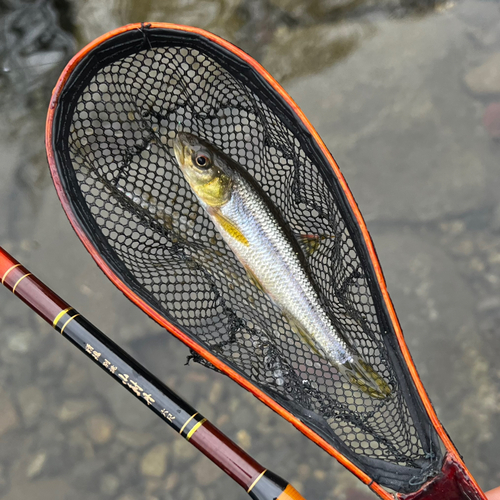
[(258, 482)]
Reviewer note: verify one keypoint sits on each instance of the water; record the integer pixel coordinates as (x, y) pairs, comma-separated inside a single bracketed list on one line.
[(394, 90)]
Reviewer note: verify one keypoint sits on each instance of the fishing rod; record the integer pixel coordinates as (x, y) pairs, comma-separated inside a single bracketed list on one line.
[(260, 483)]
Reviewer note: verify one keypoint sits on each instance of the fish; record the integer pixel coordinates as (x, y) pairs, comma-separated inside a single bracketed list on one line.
[(273, 257)]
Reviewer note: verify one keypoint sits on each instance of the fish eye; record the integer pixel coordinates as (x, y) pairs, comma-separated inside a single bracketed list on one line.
[(202, 161)]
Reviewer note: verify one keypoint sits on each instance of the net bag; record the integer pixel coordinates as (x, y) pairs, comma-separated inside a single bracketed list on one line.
[(112, 122)]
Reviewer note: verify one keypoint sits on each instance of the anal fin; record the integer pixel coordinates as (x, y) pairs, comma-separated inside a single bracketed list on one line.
[(254, 279), (297, 328)]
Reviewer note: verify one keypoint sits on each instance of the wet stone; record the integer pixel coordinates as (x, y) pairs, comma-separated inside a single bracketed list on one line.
[(215, 393), (197, 494), (75, 378), (74, 408), (206, 472), (20, 342), (83, 475), (100, 428), (436, 308), (154, 462), (371, 128), (36, 465), (305, 50), (171, 481), (485, 79), (109, 484), (134, 439), (243, 439), (31, 402), (183, 451), (43, 489)]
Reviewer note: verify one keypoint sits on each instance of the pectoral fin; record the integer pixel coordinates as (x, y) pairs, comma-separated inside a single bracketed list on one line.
[(231, 229), (363, 375)]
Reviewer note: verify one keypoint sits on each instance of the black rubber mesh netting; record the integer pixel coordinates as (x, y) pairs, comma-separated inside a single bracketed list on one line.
[(113, 136)]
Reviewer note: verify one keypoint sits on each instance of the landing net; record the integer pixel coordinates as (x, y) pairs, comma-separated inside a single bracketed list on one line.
[(116, 120)]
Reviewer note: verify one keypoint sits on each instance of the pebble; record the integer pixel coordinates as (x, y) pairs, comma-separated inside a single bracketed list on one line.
[(215, 393), (8, 416), (183, 451), (489, 304), (84, 473), (303, 472), (154, 462), (197, 494), (485, 79), (43, 489), (20, 342), (75, 378), (244, 439), (306, 50), (319, 474), (134, 439), (109, 484), (30, 401), (36, 466), (75, 408), (206, 472), (100, 428), (172, 481)]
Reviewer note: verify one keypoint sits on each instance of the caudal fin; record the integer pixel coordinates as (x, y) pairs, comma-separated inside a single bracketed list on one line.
[(362, 374)]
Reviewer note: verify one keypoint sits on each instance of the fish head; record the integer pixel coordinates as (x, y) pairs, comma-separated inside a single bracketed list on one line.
[(204, 168)]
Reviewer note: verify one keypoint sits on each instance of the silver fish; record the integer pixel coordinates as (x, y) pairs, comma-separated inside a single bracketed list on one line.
[(254, 230)]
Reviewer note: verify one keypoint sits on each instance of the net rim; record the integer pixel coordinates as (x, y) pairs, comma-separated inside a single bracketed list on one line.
[(386, 300)]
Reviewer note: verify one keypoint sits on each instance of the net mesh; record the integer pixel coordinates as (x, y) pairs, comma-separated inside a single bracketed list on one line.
[(118, 155)]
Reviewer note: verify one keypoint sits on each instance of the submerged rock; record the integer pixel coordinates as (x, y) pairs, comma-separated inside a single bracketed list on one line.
[(436, 308), (396, 118), (154, 462), (306, 50), (485, 79)]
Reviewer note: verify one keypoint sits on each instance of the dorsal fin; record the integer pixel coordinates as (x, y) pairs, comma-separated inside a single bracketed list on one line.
[(311, 242)]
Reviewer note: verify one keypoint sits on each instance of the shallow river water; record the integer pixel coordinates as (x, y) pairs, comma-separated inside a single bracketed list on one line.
[(406, 96)]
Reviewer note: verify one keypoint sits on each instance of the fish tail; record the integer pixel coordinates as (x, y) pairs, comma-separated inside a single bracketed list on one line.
[(362, 374)]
